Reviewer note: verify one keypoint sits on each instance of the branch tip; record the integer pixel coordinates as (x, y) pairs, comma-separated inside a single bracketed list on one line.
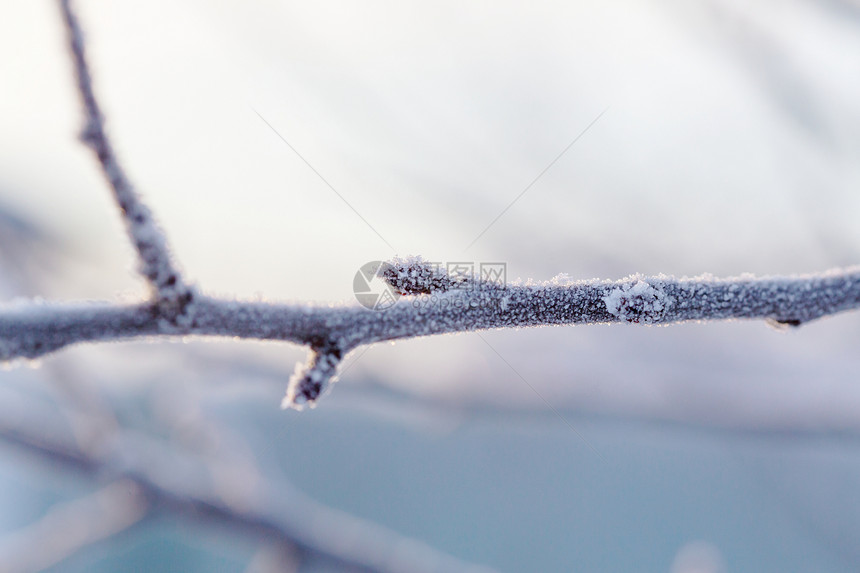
[(311, 380)]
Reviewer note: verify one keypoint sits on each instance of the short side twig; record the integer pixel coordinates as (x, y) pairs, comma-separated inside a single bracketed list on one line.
[(309, 380)]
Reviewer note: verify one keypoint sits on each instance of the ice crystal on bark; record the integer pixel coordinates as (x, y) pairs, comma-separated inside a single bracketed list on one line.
[(414, 275), (639, 303)]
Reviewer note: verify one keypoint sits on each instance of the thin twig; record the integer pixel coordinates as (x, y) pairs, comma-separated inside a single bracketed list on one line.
[(154, 256)]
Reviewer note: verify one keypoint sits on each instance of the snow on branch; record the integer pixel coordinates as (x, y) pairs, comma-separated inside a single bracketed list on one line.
[(155, 263)]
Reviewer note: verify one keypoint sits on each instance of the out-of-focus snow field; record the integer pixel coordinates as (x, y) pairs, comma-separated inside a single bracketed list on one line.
[(729, 144)]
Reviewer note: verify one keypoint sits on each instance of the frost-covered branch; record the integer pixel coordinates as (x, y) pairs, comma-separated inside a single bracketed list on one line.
[(155, 263), (430, 303), (30, 330), (434, 302)]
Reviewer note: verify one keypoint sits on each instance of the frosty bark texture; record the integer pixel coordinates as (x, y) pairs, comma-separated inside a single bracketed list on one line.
[(30, 329), (413, 275)]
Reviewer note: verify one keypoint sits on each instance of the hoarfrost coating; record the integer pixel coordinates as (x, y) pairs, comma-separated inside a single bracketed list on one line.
[(34, 329)]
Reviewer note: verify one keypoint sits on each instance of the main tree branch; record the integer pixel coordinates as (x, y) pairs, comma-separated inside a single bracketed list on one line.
[(435, 304)]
